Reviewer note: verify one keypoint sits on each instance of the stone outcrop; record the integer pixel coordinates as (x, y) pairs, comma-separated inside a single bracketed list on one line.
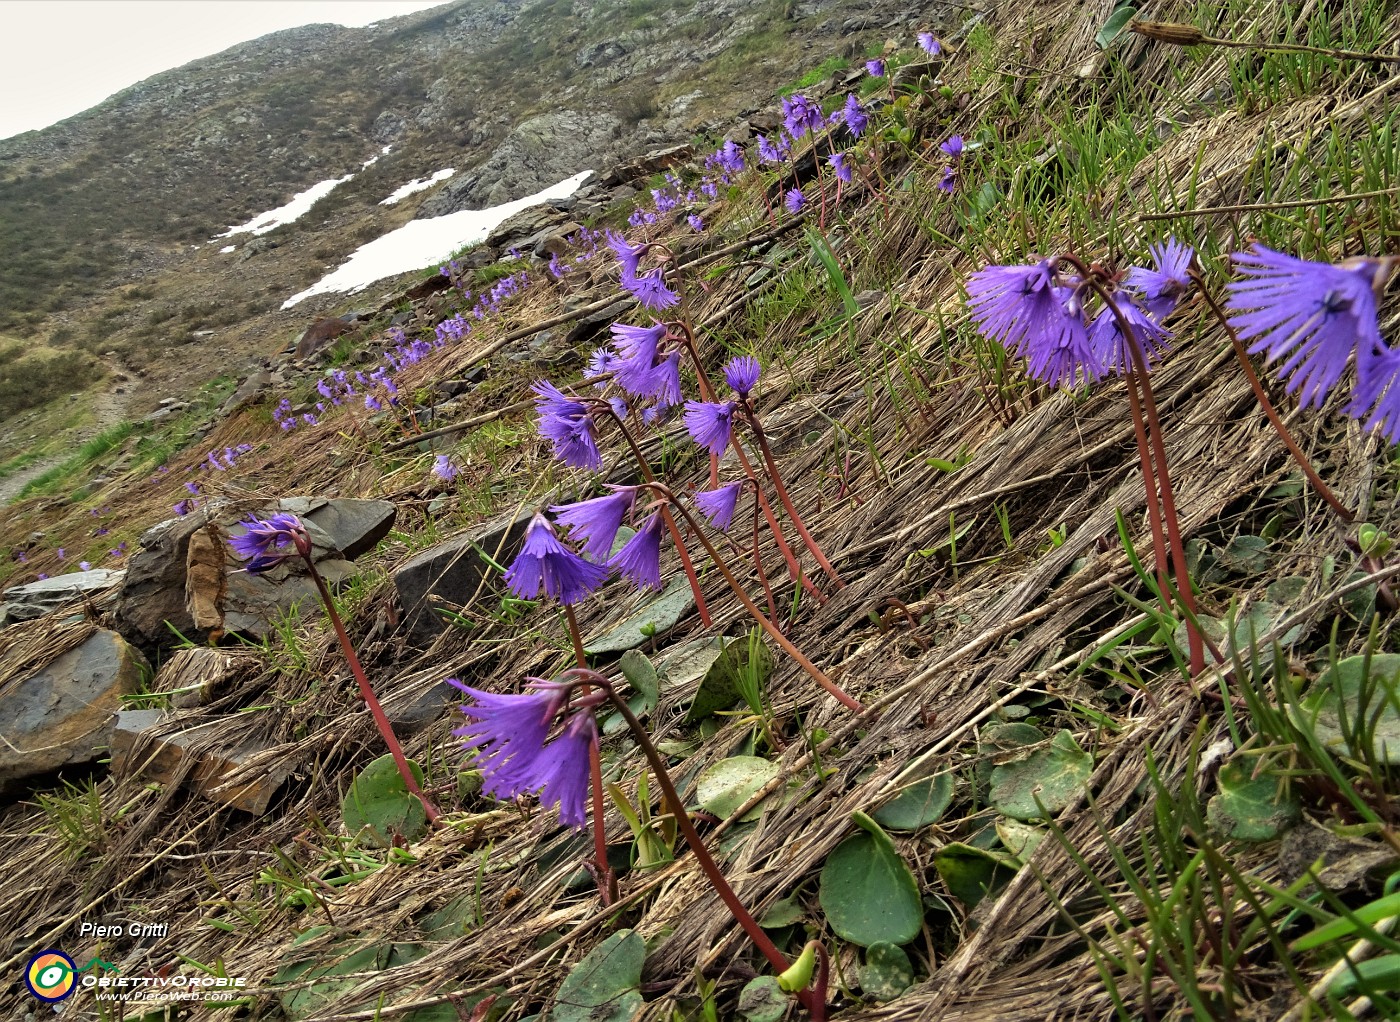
[(35, 599), (185, 577), (60, 688), (645, 166), (537, 153), (451, 573), (321, 333), (146, 745)]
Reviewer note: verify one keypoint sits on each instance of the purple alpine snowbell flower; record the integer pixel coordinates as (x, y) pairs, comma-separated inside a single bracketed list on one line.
[(842, 168), (545, 563), (856, 118), (954, 147), (710, 424), (1162, 286), (1025, 309), (929, 43), (875, 68), (767, 152), (564, 769), (801, 115), (741, 373), (718, 505), (84, 566), (596, 521), (260, 539), (1313, 314), (508, 733), (567, 424), (627, 255), (640, 559), (1111, 347), (443, 469), (651, 291), (696, 224), (794, 200), (634, 367)]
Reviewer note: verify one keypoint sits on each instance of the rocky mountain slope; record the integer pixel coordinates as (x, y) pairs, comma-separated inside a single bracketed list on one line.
[(106, 219)]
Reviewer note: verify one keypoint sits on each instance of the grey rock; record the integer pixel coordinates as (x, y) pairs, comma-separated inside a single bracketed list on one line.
[(59, 712), (520, 229), (587, 326), (452, 572), (354, 526), (160, 593), (554, 240), (149, 744), (538, 152), (648, 164), (249, 392), (35, 599)]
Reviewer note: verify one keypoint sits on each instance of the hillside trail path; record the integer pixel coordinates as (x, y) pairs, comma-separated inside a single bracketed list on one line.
[(109, 407)]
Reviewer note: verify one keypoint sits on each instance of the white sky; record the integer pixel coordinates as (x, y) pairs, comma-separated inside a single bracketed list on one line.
[(65, 56)]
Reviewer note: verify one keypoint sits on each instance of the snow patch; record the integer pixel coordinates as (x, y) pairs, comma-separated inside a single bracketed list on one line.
[(421, 243), (375, 159), (416, 185), (227, 249), (301, 202)]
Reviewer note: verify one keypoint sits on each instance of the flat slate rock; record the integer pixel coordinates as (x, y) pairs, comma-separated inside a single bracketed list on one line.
[(35, 599), (60, 689), (140, 750), (451, 573), (185, 577)]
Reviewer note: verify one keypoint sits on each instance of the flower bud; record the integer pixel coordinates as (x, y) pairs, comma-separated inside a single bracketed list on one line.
[(1169, 32), (799, 974)]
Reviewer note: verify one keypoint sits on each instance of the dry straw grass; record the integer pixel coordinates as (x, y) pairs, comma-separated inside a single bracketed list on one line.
[(997, 631)]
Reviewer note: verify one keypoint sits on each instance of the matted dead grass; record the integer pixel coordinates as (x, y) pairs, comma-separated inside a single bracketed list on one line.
[(933, 654)]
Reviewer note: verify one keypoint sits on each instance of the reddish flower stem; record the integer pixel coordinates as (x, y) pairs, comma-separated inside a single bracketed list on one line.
[(758, 567), (751, 416), (768, 626), (686, 565), (1164, 483), (707, 393), (607, 879), (381, 721), (1322, 489), (702, 854)]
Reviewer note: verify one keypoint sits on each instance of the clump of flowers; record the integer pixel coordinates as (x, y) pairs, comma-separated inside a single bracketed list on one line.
[(1315, 318)]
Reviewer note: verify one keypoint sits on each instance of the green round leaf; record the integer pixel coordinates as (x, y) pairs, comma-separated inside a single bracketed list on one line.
[(604, 986), (918, 805), (379, 804), (886, 973), (1053, 776), (724, 786), (1250, 809), (1020, 839), (762, 1000), (869, 894), (972, 873), (1350, 708)]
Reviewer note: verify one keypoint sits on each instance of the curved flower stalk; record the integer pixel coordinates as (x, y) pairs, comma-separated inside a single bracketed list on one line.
[(540, 743), (1039, 313), (710, 425), (266, 544)]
